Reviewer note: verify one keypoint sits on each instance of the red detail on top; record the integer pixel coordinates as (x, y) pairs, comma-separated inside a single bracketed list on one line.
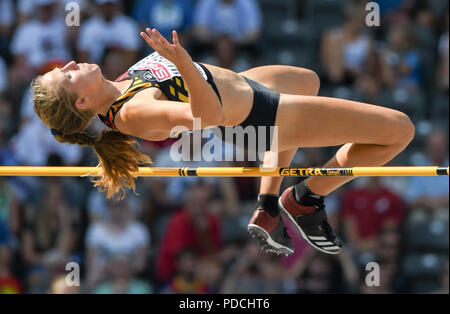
[(159, 70), (123, 77)]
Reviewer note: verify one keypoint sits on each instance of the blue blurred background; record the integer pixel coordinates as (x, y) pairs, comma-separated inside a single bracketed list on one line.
[(188, 235)]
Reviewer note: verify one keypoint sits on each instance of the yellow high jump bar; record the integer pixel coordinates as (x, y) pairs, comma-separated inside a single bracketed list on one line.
[(231, 171)]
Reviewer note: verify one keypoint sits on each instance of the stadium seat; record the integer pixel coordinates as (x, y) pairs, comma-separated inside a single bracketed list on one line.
[(427, 285), (411, 103), (427, 235), (440, 107), (289, 55), (423, 265), (325, 6), (282, 25)]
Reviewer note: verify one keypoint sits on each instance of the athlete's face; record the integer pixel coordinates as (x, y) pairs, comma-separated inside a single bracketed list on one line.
[(81, 79)]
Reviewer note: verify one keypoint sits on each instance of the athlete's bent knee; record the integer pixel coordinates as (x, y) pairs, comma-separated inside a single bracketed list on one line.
[(405, 130), (314, 80)]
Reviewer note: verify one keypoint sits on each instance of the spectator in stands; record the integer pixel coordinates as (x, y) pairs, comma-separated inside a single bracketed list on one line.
[(26, 8), (348, 55), (387, 273), (193, 226), (240, 19), (387, 254), (388, 247), (120, 234), (186, 275), (3, 77), (59, 286), (38, 41), (211, 272), (113, 64), (431, 192), (444, 281), (317, 273), (37, 280), (7, 20), (6, 108), (165, 16), (170, 193), (109, 28), (97, 206), (9, 283), (253, 272), (226, 55), (389, 9), (33, 143), (9, 209), (52, 228), (443, 65), (400, 60), (367, 210), (121, 277)]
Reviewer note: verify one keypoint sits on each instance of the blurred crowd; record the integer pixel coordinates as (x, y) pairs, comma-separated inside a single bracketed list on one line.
[(188, 235)]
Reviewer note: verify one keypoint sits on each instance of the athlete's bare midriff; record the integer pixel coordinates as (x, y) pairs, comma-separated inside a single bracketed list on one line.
[(237, 95)]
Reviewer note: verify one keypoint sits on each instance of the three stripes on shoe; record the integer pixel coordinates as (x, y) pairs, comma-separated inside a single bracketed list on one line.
[(323, 243)]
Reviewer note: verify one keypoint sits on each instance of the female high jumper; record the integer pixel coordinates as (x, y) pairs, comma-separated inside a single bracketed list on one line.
[(167, 89)]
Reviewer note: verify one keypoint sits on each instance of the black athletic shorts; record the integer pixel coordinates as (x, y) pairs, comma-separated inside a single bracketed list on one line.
[(263, 113)]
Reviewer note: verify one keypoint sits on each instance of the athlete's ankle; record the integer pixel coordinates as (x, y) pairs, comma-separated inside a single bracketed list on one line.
[(269, 203), (304, 196)]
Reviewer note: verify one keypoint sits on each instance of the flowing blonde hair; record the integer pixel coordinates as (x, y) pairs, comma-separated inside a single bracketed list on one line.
[(116, 152)]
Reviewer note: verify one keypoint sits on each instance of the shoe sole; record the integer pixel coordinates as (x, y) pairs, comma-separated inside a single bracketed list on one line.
[(304, 236), (266, 243)]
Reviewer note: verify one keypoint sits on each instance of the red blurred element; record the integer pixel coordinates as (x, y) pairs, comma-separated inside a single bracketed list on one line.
[(371, 208), (50, 65), (182, 233)]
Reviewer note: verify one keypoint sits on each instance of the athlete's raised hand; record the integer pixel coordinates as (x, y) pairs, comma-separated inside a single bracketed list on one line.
[(172, 52)]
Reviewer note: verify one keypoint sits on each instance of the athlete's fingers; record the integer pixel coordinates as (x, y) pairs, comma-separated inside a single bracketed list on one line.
[(176, 42), (148, 39), (160, 43), (152, 37), (161, 38), (155, 40)]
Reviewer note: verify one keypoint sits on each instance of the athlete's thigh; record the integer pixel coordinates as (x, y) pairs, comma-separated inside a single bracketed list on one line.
[(285, 79), (312, 121)]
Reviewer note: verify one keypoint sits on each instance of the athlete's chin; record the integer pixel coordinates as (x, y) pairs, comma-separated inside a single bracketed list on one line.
[(93, 67)]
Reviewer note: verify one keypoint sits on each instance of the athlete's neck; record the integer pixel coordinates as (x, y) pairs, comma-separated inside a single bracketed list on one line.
[(108, 94)]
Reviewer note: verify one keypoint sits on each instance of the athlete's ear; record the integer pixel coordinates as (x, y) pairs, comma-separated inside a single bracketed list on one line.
[(81, 103)]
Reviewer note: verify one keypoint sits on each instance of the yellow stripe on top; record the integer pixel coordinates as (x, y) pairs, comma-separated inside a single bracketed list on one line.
[(182, 97), (135, 87)]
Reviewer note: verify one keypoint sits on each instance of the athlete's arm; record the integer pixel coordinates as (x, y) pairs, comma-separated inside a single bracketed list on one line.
[(154, 119), (204, 102)]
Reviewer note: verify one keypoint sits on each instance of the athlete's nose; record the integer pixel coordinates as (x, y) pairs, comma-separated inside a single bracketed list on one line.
[(71, 65)]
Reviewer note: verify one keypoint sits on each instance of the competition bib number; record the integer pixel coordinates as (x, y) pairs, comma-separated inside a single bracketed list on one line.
[(159, 71), (161, 68)]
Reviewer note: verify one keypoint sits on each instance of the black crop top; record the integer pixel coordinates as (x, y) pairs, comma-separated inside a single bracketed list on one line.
[(154, 71)]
